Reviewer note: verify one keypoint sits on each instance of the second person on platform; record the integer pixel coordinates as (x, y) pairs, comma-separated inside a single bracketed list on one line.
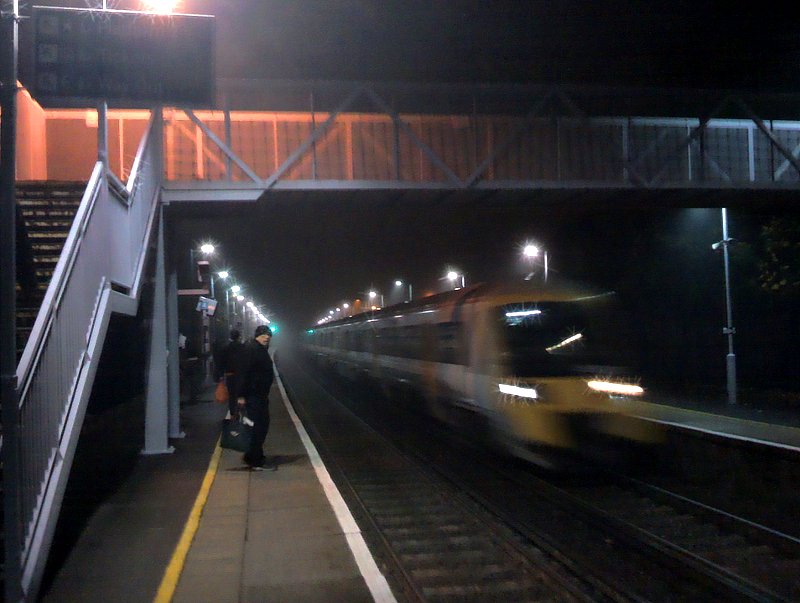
[(252, 384)]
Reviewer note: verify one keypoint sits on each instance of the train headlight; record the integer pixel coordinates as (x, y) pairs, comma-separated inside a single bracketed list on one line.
[(616, 389), (528, 394)]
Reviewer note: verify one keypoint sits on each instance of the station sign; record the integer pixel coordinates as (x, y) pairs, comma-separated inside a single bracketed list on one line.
[(207, 305), (129, 59)]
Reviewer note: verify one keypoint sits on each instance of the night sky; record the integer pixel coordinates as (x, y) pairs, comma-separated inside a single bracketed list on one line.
[(302, 256)]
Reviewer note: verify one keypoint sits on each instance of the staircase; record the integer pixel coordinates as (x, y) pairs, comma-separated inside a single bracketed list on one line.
[(45, 211)]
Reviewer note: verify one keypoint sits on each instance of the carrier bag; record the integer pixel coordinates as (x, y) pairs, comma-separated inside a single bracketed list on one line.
[(221, 392), (236, 434)]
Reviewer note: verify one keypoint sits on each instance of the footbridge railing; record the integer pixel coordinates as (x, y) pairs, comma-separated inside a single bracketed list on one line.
[(378, 136), (101, 269)]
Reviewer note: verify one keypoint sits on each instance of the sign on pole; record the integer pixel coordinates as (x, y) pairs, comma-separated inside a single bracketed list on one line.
[(127, 58)]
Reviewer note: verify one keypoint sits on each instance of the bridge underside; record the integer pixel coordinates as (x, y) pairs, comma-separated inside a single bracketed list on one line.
[(195, 197)]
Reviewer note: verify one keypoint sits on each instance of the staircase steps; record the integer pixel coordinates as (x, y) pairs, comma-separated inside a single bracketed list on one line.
[(46, 210)]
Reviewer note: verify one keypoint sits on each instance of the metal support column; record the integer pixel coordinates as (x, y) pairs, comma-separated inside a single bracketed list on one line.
[(173, 352), (156, 415), (12, 525)]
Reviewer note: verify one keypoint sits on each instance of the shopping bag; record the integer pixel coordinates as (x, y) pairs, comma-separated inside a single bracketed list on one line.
[(236, 434), (221, 393)]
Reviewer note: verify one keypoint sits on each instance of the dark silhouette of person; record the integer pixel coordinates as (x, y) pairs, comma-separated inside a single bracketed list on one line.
[(227, 365), (252, 383)]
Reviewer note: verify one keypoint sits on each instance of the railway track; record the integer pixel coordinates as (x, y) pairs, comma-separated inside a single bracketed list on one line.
[(455, 523)]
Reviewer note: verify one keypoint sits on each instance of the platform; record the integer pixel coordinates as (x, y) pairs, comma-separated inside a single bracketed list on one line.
[(198, 525)]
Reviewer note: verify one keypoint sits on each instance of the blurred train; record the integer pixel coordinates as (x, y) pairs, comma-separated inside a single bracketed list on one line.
[(539, 366)]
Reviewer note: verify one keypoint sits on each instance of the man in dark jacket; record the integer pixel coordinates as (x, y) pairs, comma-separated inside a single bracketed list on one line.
[(252, 384), (227, 366)]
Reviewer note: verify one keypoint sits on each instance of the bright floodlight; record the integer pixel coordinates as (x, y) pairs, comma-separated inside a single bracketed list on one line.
[(251, 304), (236, 288), (207, 248), (345, 306), (223, 274), (372, 295), (240, 298), (162, 7), (452, 275), (530, 251), (398, 283)]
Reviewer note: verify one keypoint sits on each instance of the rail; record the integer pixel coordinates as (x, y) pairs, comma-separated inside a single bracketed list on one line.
[(100, 270)]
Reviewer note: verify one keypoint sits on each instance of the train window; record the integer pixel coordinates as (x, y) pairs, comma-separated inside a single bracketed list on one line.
[(560, 338), (449, 336)]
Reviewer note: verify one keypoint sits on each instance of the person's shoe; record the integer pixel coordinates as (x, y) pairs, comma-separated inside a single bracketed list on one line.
[(256, 467)]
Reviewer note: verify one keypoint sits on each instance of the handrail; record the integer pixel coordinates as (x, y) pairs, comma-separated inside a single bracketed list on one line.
[(58, 281)]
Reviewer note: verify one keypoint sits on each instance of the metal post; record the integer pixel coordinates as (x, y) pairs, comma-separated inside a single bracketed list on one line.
[(410, 292), (730, 359), (228, 142), (173, 352), (156, 431), (9, 15), (102, 135), (546, 266)]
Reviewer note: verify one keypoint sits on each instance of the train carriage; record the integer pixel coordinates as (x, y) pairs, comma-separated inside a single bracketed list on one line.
[(539, 364)]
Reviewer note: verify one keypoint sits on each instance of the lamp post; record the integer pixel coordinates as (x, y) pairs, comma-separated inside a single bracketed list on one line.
[(206, 249), (728, 330), (454, 277), (399, 283), (235, 290), (373, 295), (531, 251)]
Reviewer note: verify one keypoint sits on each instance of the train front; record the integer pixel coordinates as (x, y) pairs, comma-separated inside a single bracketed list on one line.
[(561, 375)]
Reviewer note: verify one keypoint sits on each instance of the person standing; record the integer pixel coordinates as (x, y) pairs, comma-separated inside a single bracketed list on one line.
[(226, 367), (252, 383)]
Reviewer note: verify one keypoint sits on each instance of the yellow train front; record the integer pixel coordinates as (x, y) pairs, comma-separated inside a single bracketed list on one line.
[(539, 366)]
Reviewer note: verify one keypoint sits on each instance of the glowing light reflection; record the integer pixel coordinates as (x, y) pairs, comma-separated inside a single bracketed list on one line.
[(566, 342), (609, 387), (523, 313), (520, 392)]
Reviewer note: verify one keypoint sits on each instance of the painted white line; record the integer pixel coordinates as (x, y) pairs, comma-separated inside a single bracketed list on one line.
[(376, 582)]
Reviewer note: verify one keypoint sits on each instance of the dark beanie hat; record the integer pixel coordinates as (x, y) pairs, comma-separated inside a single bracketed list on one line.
[(262, 330)]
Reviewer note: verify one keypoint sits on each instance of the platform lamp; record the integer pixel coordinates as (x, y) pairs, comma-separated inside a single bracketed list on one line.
[(530, 252), (228, 290), (373, 295), (399, 283), (454, 277)]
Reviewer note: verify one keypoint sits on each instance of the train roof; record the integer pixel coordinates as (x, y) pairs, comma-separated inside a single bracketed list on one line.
[(499, 293)]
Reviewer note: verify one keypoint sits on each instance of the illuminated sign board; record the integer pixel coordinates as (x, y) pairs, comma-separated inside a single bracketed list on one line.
[(128, 58)]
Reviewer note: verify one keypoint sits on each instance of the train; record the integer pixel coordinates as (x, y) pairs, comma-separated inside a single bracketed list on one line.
[(540, 367)]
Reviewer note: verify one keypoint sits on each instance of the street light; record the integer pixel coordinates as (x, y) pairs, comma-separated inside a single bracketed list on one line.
[(399, 283), (454, 276), (373, 295), (729, 330), (531, 251)]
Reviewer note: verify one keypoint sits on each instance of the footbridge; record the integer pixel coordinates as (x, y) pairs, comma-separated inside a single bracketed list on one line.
[(270, 138)]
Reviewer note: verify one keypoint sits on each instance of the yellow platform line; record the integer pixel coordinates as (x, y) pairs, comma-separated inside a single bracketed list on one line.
[(173, 572)]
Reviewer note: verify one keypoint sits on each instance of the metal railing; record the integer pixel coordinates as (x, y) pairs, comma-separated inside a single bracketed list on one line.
[(372, 136), (103, 257)]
